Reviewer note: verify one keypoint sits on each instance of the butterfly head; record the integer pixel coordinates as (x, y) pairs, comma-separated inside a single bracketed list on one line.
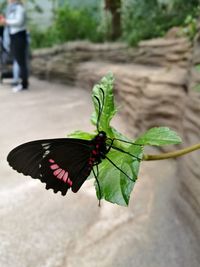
[(102, 135)]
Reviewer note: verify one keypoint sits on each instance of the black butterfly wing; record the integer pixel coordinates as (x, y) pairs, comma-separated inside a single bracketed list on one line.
[(60, 163)]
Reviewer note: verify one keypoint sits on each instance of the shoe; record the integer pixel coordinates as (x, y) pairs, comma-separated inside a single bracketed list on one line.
[(17, 88), (14, 83)]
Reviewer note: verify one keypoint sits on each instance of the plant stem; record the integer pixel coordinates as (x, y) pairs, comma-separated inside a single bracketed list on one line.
[(173, 154)]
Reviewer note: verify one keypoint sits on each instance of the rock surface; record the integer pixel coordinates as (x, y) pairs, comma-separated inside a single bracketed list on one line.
[(42, 229), (62, 61)]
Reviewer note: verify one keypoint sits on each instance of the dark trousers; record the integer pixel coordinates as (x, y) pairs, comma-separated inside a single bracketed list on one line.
[(19, 53)]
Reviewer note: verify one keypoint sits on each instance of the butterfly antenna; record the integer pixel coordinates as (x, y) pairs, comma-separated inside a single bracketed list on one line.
[(100, 107), (103, 96), (98, 185), (99, 113)]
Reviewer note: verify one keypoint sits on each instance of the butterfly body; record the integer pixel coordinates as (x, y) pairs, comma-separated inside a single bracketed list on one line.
[(60, 163)]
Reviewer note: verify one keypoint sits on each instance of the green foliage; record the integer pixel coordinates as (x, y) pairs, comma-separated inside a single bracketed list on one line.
[(42, 38), (159, 136), (197, 67), (115, 186), (69, 24), (141, 19), (190, 27), (107, 102), (197, 86), (73, 24), (148, 19), (81, 135)]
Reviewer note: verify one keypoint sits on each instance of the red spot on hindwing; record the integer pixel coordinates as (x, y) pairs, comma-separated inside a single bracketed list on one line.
[(60, 173), (56, 172), (65, 177), (54, 166), (94, 152)]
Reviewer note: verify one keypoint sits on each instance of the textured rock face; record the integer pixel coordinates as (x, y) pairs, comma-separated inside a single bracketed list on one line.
[(151, 86), (189, 165), (154, 88), (148, 97), (60, 63), (64, 59)]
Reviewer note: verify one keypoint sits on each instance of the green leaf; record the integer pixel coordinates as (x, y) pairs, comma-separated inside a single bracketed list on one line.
[(107, 108), (197, 67), (159, 136), (115, 186), (81, 135), (119, 171), (197, 87)]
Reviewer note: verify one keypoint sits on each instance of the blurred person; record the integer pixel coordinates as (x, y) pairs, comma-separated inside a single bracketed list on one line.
[(15, 67), (16, 22), (16, 73)]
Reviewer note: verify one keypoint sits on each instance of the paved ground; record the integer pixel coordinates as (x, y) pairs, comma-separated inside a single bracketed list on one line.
[(42, 229)]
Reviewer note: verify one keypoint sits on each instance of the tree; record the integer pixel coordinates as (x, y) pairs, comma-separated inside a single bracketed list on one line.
[(114, 7)]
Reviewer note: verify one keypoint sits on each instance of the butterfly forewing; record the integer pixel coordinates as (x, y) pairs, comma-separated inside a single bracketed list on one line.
[(60, 163)]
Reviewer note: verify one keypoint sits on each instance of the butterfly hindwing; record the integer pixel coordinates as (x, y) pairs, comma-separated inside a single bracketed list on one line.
[(67, 166), (60, 163)]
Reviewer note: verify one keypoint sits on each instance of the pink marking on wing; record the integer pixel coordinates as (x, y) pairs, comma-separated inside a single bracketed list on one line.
[(57, 172), (69, 182), (54, 166), (60, 175), (65, 176), (94, 152), (51, 160)]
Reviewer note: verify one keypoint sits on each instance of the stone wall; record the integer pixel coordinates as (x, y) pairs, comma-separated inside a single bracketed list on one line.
[(62, 62), (154, 84), (189, 165), (152, 77)]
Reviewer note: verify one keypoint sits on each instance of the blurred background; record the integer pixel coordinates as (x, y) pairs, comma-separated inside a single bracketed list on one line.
[(153, 49)]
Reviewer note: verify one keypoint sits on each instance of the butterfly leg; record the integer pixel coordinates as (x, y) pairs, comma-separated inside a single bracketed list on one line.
[(119, 169), (121, 150), (98, 185), (125, 141), (110, 145)]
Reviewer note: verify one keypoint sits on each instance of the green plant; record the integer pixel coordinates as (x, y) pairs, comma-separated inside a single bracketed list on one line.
[(42, 38), (69, 24), (73, 24), (140, 20), (196, 87), (148, 19), (114, 184), (190, 27)]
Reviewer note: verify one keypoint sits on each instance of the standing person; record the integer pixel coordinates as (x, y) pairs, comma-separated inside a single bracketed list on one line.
[(15, 67), (16, 21)]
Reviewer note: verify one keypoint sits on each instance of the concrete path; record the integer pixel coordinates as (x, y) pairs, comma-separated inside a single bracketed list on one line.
[(42, 229)]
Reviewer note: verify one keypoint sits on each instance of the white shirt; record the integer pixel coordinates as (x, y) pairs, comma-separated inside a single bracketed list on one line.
[(16, 18)]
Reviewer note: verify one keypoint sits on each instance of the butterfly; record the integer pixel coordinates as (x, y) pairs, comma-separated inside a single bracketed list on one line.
[(63, 163)]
